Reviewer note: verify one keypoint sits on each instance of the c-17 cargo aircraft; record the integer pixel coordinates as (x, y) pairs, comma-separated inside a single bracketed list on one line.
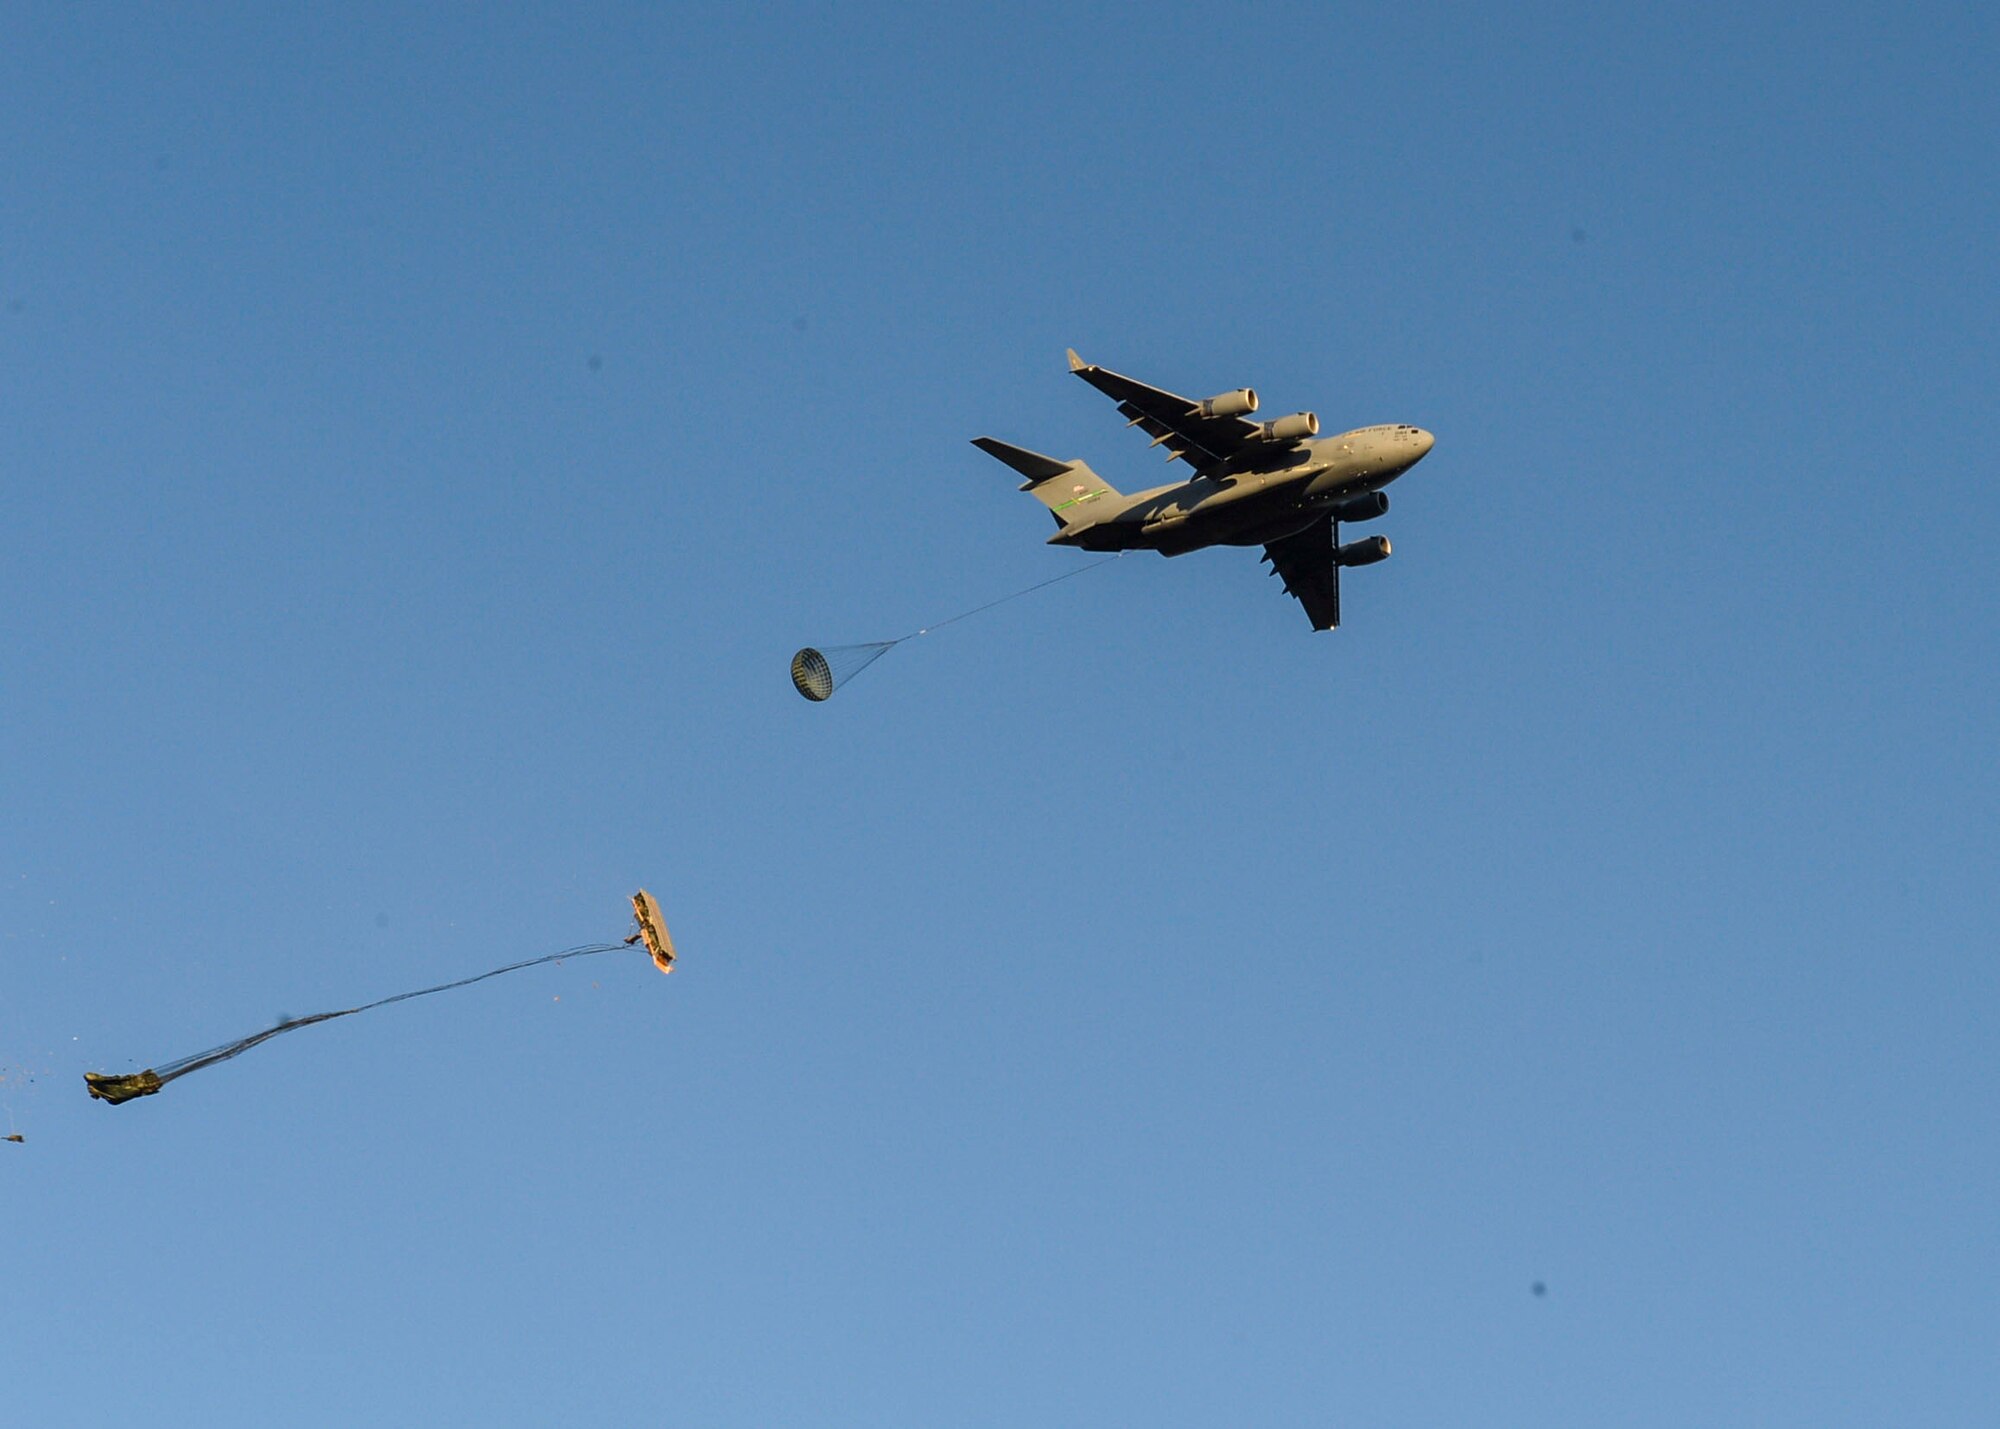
[(1266, 484)]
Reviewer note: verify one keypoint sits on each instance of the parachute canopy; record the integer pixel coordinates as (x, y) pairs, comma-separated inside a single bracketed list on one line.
[(653, 930), (817, 673)]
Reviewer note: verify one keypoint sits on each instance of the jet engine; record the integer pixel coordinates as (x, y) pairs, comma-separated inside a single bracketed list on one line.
[(1365, 507), (1230, 404), (1289, 429), (1365, 552)]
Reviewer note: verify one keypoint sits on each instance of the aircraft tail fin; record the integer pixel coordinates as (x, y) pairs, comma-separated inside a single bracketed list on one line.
[(1067, 488)]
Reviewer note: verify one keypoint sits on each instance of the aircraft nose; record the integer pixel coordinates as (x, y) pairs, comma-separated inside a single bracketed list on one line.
[(1425, 441)]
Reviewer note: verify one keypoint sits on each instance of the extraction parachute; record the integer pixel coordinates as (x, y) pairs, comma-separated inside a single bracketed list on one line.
[(817, 673), (819, 670), (115, 1089)]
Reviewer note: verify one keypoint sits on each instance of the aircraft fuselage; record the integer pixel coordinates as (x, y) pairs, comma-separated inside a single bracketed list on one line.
[(1259, 498)]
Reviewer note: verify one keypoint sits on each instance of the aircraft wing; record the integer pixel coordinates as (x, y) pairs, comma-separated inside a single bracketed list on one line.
[(1305, 561), (1175, 423)]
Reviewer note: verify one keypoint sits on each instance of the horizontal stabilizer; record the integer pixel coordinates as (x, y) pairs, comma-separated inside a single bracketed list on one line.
[(1032, 465)]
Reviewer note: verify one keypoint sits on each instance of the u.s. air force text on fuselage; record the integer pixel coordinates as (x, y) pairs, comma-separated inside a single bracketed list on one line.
[(1279, 485)]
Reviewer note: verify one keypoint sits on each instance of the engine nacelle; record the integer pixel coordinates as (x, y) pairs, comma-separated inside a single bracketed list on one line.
[(1365, 552), (1365, 507), (1289, 429), (1239, 403)]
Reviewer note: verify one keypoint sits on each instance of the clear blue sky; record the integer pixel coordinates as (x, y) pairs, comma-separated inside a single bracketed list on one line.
[(426, 432)]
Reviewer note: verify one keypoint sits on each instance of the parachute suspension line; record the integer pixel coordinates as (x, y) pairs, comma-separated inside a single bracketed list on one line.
[(1026, 590), (817, 671), (116, 1089)]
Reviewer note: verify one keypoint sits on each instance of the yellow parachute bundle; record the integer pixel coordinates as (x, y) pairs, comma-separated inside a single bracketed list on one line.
[(122, 1089), (653, 930)]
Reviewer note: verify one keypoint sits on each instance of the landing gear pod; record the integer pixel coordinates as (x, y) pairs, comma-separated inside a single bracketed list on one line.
[(653, 928)]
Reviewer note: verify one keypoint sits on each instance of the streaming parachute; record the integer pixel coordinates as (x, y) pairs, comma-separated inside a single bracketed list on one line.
[(115, 1089), (819, 670), (817, 673)]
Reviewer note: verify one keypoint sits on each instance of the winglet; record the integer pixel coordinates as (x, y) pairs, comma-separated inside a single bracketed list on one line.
[(1076, 364)]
